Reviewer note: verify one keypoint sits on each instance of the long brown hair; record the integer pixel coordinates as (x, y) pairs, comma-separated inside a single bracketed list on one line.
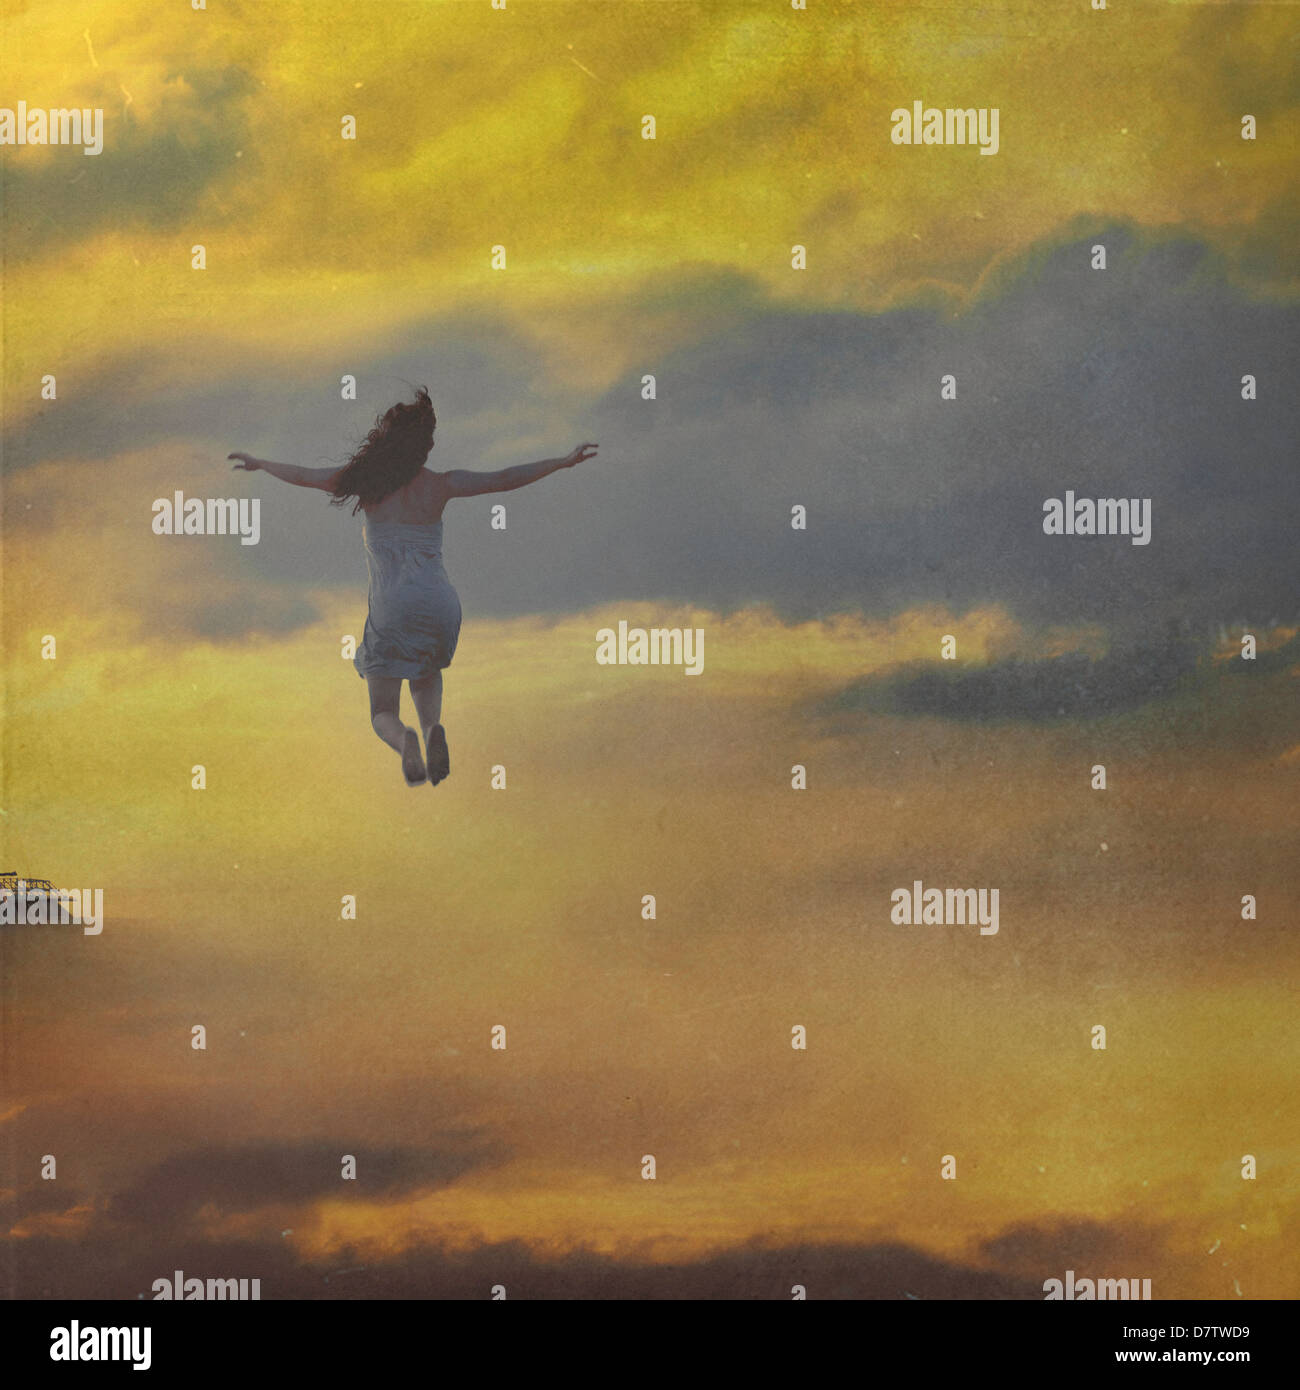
[(390, 455)]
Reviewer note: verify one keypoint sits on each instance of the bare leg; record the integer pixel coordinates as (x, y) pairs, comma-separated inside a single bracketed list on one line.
[(385, 701), (426, 694)]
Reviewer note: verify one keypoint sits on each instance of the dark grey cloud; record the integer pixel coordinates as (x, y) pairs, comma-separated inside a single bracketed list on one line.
[(1268, 662), (1088, 1247), (38, 1199), (48, 1268), (1009, 1265), (1069, 686), (150, 173), (294, 413), (1074, 686), (247, 1177), (1116, 383), (1123, 383)]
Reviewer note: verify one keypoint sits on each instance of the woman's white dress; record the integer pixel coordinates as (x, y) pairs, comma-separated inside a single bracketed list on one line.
[(414, 619)]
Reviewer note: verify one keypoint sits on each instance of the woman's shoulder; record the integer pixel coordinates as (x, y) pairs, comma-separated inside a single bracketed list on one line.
[(434, 486), (419, 502)]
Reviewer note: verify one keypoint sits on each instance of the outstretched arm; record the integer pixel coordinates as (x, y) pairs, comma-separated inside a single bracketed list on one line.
[(461, 482), (322, 478)]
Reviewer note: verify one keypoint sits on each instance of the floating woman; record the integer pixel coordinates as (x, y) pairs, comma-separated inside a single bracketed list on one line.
[(414, 616)]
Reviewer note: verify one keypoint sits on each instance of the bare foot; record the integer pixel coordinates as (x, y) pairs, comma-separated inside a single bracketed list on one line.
[(412, 763), (435, 741)]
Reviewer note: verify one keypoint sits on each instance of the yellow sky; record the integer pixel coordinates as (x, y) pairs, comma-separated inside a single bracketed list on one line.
[(476, 128), (668, 1037), (522, 907)]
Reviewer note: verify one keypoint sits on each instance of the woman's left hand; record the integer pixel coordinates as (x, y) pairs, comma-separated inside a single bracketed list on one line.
[(581, 454), (246, 461)]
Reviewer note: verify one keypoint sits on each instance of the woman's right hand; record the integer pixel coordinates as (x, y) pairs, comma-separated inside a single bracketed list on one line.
[(246, 461)]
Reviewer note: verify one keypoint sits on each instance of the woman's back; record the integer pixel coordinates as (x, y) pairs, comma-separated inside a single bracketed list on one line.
[(420, 502)]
